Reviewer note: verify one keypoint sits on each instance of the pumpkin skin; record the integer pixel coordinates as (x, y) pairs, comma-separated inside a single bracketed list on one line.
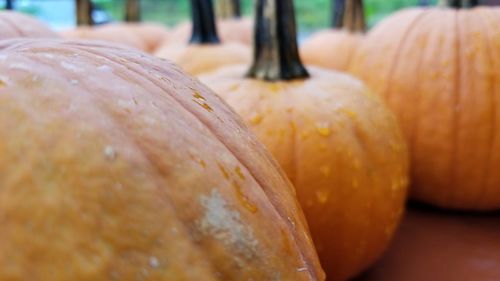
[(97, 170), (428, 244), (342, 150), (14, 24), (198, 59), (331, 48), (438, 71), (108, 34)]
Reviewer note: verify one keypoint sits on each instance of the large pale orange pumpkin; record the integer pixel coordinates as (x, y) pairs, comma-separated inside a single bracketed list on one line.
[(338, 144), (14, 24), (205, 52), (432, 245), (438, 69), (116, 165), (334, 48)]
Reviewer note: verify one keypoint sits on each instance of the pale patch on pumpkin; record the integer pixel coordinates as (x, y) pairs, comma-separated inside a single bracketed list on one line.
[(71, 67), (225, 225)]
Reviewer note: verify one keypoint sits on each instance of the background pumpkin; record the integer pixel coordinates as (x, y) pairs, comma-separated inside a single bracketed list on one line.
[(339, 145), (97, 170), (205, 52), (438, 70), (14, 24), (334, 48)]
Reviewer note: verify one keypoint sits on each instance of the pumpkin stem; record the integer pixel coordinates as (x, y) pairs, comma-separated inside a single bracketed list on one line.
[(133, 11), (349, 15), (204, 29), (84, 12), (229, 9), (459, 3), (9, 5), (276, 55)]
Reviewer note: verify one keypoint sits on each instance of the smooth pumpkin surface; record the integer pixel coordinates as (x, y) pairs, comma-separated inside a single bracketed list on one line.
[(341, 148), (331, 48), (14, 24), (118, 166), (438, 71), (198, 59), (437, 246)]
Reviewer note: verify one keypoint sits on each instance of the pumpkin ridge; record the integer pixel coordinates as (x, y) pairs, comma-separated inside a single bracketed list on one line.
[(306, 259), (456, 104), (417, 102), (487, 173), (13, 26), (397, 55)]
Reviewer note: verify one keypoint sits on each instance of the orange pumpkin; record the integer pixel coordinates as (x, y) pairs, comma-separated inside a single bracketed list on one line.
[(338, 144), (432, 245), (334, 48), (437, 68), (204, 53), (13, 24), (135, 172)]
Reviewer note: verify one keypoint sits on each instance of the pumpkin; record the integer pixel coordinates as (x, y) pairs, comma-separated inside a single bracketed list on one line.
[(432, 245), (338, 144), (14, 24), (205, 52), (134, 172), (142, 36), (437, 68), (334, 48)]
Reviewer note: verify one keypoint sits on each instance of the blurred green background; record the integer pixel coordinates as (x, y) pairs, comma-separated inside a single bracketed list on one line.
[(311, 14)]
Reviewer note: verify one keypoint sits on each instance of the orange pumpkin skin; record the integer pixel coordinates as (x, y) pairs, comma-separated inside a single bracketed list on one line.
[(331, 49), (342, 150), (116, 33), (438, 70), (137, 172), (198, 59), (14, 24)]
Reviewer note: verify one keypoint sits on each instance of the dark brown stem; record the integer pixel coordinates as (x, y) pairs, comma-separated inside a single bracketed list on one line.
[(459, 3), (276, 55), (9, 5), (133, 11), (204, 29), (349, 15), (84, 12)]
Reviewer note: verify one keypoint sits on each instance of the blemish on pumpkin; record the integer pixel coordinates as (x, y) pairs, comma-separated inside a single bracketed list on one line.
[(153, 262), (202, 163), (225, 225), (234, 87), (302, 269), (223, 170), (322, 196), (2, 83), (197, 95), (255, 119), (291, 221), (237, 170), (349, 112), (109, 152), (245, 201), (325, 170), (323, 129), (274, 87)]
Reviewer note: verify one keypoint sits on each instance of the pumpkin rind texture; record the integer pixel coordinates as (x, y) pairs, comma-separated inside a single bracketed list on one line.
[(117, 166), (438, 70), (14, 24), (331, 49), (341, 148)]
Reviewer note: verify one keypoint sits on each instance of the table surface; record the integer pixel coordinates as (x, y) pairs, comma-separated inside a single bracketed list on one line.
[(436, 245)]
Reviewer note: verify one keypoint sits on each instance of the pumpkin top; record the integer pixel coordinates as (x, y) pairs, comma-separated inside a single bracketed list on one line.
[(204, 28), (276, 55), (459, 3)]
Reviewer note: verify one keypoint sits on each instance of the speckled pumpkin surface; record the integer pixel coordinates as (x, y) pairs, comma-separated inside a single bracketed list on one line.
[(115, 165), (14, 24), (438, 69), (341, 148)]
